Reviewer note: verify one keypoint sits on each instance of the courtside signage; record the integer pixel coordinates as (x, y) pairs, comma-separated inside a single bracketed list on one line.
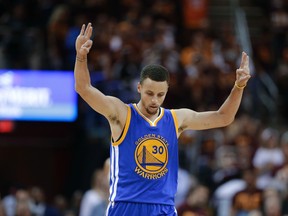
[(30, 95)]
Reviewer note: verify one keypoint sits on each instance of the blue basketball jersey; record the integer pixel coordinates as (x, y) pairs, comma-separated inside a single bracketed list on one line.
[(144, 161)]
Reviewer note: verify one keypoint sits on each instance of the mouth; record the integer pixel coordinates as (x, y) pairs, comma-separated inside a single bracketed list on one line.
[(154, 107), (152, 110)]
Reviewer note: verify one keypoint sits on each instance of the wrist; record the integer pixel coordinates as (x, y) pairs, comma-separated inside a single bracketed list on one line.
[(81, 58), (239, 86)]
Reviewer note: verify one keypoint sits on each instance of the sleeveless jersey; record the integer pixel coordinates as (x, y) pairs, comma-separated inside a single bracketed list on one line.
[(144, 161)]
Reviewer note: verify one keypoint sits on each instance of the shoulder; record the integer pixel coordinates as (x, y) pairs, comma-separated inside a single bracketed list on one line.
[(182, 115)]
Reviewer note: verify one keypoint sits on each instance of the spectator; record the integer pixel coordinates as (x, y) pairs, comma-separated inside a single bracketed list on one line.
[(272, 202), (38, 205), (23, 206), (2, 210), (9, 202), (95, 200), (196, 203), (267, 156), (75, 204), (227, 168), (60, 203), (243, 143), (57, 31), (280, 173), (250, 198)]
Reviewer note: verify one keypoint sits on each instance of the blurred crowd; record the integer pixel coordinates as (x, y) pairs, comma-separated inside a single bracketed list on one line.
[(239, 170), (31, 201)]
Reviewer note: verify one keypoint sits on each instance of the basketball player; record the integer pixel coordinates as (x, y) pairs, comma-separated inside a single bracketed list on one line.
[(144, 151)]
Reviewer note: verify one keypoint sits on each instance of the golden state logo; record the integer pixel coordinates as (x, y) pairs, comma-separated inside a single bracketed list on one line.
[(151, 156)]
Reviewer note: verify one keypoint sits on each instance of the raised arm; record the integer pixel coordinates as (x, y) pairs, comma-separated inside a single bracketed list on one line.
[(110, 107), (189, 119)]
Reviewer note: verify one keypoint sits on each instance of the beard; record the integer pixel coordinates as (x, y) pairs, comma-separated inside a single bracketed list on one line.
[(152, 112)]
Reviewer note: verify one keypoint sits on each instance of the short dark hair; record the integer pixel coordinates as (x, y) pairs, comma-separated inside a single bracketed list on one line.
[(155, 72)]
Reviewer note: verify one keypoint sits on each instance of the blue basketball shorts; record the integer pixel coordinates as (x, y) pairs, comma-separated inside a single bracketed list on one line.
[(140, 209)]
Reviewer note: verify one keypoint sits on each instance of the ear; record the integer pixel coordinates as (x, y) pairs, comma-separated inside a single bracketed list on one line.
[(138, 87)]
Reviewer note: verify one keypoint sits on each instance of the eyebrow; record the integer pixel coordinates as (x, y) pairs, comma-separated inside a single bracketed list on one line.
[(149, 91)]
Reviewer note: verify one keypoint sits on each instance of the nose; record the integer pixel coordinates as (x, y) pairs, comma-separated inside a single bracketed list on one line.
[(154, 100)]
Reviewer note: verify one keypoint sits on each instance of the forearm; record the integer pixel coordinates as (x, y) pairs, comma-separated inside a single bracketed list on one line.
[(81, 73), (189, 119), (231, 105)]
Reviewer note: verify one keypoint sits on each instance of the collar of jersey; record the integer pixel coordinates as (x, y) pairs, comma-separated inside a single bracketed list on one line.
[(152, 123)]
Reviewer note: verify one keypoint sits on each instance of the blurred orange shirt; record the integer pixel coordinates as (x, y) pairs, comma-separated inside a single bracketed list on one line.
[(195, 13)]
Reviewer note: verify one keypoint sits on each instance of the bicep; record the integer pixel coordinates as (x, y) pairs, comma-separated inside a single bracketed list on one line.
[(190, 119), (104, 105)]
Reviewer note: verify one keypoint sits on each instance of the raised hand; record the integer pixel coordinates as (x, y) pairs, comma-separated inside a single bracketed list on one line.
[(243, 72), (83, 42)]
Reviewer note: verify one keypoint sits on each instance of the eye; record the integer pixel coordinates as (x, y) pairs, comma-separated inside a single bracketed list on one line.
[(149, 93)]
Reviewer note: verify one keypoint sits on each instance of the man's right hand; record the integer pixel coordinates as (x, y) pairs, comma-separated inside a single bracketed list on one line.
[(83, 42)]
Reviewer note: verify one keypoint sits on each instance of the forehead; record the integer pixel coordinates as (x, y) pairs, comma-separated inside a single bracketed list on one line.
[(154, 86)]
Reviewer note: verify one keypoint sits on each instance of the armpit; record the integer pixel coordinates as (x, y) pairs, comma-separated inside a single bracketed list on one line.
[(114, 119), (181, 129)]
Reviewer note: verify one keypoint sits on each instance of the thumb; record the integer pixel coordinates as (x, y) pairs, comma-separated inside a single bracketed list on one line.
[(86, 46)]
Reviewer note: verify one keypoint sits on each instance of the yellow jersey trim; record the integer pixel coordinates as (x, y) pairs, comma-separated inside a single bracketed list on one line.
[(127, 124), (152, 123), (175, 121)]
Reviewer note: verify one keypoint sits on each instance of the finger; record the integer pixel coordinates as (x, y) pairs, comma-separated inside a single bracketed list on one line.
[(244, 79), (82, 29), (241, 75), (242, 60), (245, 76), (247, 63), (90, 30), (87, 44), (87, 29), (241, 71)]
